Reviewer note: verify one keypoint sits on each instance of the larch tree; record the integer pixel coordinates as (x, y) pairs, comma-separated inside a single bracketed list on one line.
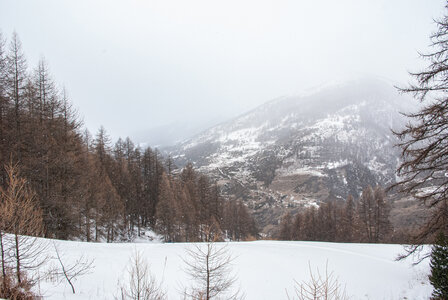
[(237, 222), (310, 224), (16, 82), (366, 211), (186, 213), (232, 222), (3, 107), (424, 140), (348, 225), (142, 284), (209, 267), (297, 227), (83, 188), (203, 204), (22, 218), (166, 210), (149, 199), (383, 226), (286, 230)]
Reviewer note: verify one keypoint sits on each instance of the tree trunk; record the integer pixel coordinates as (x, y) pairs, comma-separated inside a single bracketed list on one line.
[(2, 249), (19, 279)]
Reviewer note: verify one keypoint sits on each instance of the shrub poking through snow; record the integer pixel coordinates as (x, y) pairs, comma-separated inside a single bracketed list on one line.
[(11, 289)]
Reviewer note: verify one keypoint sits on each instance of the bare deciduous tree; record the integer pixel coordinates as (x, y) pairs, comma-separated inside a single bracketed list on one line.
[(84, 189), (21, 223), (424, 140), (142, 284), (320, 287), (209, 266), (23, 219)]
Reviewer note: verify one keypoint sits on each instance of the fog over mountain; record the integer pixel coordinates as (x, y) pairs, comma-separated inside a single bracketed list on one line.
[(299, 151), (136, 66), (193, 149), (175, 132)]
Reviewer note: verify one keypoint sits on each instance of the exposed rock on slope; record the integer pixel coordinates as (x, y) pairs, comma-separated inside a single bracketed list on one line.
[(300, 151)]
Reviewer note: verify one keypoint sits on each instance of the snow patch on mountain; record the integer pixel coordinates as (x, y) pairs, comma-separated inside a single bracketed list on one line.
[(306, 149)]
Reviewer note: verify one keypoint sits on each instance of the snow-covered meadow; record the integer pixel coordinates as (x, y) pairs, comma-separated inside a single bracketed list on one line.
[(265, 269)]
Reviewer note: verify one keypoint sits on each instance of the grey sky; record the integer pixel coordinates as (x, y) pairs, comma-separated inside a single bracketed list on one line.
[(138, 64)]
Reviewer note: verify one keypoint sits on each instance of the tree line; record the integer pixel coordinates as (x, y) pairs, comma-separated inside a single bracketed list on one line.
[(89, 188), (363, 220)]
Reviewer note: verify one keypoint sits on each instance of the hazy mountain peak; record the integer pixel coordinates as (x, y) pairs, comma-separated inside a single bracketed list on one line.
[(300, 150)]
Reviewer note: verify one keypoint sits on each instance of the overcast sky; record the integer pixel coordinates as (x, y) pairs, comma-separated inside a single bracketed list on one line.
[(139, 64)]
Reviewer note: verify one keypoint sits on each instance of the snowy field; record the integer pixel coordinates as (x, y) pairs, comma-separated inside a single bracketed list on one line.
[(265, 269)]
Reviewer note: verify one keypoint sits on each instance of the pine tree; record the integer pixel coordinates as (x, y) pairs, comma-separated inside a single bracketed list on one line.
[(439, 268)]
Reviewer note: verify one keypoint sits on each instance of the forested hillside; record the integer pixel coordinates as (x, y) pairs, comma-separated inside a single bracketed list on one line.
[(89, 188), (308, 150), (362, 220)]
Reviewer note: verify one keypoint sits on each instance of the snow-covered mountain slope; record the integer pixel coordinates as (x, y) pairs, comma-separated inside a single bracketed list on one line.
[(264, 269), (295, 151)]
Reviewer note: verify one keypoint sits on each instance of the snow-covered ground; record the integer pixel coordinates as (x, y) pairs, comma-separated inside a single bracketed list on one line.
[(265, 269)]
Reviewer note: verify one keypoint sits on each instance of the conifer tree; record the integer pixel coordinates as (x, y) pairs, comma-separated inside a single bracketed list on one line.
[(297, 227), (23, 219), (439, 268), (166, 210), (16, 81), (85, 189), (367, 213), (310, 226), (286, 227), (348, 220), (382, 210), (424, 140), (3, 108)]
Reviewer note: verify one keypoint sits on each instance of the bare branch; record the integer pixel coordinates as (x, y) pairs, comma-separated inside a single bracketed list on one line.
[(71, 272), (142, 284), (323, 287), (209, 266)]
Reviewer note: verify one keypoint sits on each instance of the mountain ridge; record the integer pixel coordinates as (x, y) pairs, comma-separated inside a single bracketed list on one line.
[(298, 151)]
